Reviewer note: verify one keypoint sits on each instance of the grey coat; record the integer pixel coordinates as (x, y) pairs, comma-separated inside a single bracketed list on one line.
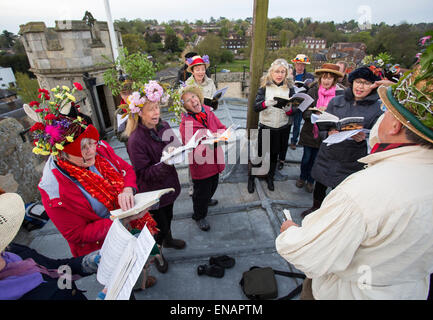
[(336, 162)]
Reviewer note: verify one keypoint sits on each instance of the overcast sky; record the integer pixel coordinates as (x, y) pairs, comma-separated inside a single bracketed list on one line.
[(16, 12)]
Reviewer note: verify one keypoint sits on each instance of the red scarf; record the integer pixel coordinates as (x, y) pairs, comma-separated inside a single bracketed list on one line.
[(105, 189), (378, 147), (200, 117)]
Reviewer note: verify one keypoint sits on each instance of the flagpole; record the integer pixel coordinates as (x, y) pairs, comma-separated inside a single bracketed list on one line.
[(113, 38)]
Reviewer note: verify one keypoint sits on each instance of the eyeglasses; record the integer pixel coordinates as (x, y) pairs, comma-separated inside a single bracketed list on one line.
[(362, 83), (280, 72)]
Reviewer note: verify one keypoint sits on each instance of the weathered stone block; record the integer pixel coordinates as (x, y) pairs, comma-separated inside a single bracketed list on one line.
[(20, 169)]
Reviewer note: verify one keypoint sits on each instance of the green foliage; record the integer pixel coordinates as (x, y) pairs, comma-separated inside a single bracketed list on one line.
[(136, 66), (134, 43), (18, 63), (27, 88)]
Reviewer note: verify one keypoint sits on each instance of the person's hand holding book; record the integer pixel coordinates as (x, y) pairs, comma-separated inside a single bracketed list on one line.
[(126, 199), (360, 136), (332, 131)]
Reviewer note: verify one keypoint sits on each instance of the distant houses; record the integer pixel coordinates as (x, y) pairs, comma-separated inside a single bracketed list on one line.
[(7, 78), (313, 44)]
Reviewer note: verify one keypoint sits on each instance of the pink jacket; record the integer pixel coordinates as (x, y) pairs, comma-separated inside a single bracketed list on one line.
[(204, 162), (73, 211)]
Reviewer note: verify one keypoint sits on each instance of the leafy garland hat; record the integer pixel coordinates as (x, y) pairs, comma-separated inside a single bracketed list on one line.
[(150, 92), (410, 100), (54, 131)]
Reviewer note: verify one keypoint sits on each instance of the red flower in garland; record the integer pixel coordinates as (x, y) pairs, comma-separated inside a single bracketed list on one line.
[(50, 117), (37, 126), (34, 103), (43, 93), (78, 86)]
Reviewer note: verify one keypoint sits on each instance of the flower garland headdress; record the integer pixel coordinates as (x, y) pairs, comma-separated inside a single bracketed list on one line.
[(52, 130), (153, 92)]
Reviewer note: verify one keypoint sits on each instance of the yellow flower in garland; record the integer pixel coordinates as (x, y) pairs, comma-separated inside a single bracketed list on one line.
[(59, 146), (70, 97), (65, 88), (36, 150), (70, 138), (55, 153), (45, 153)]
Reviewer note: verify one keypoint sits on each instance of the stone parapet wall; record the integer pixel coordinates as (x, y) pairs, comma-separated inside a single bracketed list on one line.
[(20, 169)]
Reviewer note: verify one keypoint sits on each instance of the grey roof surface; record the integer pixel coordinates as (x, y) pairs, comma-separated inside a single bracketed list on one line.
[(243, 226)]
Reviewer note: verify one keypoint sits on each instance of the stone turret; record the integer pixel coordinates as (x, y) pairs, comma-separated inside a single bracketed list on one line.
[(74, 51)]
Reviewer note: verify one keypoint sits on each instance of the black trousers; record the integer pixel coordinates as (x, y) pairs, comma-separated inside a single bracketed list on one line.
[(276, 146), (284, 145), (204, 189), (163, 217), (319, 192)]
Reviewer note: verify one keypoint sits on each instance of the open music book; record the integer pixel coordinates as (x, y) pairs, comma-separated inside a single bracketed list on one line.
[(301, 100), (326, 121), (222, 138), (220, 93), (123, 257), (192, 143), (142, 201)]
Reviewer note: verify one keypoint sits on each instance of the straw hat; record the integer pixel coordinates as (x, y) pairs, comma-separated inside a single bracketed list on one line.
[(11, 216), (301, 58), (192, 89), (197, 60), (330, 68)]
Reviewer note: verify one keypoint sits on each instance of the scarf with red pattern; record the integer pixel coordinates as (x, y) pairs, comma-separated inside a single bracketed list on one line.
[(378, 147), (200, 117), (105, 189)]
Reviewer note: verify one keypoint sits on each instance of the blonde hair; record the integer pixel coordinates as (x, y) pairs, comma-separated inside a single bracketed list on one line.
[(131, 126), (266, 80), (132, 122)]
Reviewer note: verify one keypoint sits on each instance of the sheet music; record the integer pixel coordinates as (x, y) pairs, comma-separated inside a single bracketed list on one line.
[(192, 143), (142, 201), (122, 260), (342, 135), (143, 247), (120, 274), (223, 91), (114, 246), (307, 100), (121, 121)]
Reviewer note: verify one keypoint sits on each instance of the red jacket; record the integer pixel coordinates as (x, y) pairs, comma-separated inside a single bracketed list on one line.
[(71, 209), (210, 161)]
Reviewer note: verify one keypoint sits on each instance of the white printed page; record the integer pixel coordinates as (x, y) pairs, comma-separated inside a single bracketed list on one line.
[(192, 143), (307, 100), (121, 272), (114, 246), (143, 247), (142, 201), (340, 136)]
